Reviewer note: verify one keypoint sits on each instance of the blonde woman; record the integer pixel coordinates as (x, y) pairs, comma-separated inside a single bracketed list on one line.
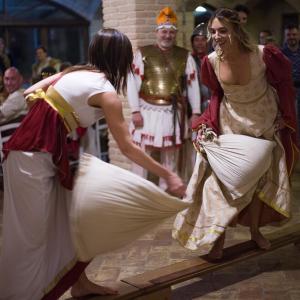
[(252, 95)]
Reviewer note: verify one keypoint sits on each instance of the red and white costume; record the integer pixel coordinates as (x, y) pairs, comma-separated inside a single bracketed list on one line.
[(158, 130)]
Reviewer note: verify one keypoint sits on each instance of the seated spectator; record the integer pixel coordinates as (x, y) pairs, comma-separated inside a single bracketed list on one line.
[(14, 105), (43, 61), (48, 71)]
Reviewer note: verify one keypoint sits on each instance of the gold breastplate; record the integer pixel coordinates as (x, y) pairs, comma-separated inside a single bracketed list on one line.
[(164, 74)]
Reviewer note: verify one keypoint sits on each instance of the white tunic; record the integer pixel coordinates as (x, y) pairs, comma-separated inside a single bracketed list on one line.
[(13, 107), (158, 120), (37, 247), (77, 87)]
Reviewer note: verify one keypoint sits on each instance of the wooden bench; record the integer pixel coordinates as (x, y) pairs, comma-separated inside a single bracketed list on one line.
[(156, 284)]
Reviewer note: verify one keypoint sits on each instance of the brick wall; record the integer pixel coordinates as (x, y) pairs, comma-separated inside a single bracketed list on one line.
[(136, 18)]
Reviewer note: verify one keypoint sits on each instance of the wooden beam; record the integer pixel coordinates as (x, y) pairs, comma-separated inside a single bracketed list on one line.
[(123, 288), (158, 281)]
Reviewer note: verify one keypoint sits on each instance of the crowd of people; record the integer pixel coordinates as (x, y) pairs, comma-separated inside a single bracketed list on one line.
[(44, 66), (226, 91)]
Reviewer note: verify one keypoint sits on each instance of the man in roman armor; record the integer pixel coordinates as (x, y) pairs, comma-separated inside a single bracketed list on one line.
[(163, 82)]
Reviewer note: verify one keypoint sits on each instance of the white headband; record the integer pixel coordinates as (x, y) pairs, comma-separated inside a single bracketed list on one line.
[(167, 26)]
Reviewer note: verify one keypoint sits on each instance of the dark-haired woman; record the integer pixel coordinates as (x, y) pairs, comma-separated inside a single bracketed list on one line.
[(252, 95), (38, 260)]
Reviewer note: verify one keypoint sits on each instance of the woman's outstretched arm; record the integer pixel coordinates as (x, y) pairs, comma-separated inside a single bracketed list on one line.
[(112, 107)]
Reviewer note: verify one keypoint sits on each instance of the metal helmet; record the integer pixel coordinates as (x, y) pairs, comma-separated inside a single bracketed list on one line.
[(200, 29)]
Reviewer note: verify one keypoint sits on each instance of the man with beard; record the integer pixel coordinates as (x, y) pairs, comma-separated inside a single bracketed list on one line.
[(164, 75), (291, 49)]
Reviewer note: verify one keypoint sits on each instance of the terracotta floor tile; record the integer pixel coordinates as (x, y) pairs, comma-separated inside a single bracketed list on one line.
[(271, 276)]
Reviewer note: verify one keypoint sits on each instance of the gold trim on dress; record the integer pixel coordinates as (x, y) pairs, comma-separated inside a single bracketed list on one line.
[(59, 104), (60, 275), (263, 198), (184, 237), (182, 215)]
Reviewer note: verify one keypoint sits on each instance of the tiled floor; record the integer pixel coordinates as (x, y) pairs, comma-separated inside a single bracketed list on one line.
[(272, 276)]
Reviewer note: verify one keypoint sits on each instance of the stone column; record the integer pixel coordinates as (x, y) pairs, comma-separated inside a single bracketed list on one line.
[(135, 18)]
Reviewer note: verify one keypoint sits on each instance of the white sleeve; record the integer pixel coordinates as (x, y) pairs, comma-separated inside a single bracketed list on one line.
[(134, 82), (193, 88), (96, 86), (14, 104)]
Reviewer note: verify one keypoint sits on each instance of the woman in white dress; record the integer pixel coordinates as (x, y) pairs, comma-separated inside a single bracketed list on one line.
[(252, 95), (38, 259)]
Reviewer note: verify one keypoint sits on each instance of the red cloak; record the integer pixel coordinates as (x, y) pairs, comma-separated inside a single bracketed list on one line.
[(279, 76)]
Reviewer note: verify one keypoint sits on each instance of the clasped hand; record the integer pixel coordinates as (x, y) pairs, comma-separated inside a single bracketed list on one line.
[(175, 186), (137, 119), (204, 134)]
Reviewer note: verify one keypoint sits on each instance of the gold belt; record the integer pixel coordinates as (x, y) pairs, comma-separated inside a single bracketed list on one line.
[(156, 100), (59, 104)]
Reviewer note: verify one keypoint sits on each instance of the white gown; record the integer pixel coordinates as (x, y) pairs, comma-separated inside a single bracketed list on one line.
[(249, 110), (38, 248)]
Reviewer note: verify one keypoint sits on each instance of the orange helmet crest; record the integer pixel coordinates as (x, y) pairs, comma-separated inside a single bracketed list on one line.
[(166, 19)]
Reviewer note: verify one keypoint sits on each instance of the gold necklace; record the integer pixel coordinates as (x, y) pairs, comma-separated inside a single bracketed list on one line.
[(220, 54)]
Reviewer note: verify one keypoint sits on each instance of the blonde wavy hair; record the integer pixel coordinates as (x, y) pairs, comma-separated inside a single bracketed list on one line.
[(230, 17)]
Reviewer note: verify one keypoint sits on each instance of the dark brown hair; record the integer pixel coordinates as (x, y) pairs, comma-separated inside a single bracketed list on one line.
[(242, 8), (110, 52), (42, 48), (291, 26)]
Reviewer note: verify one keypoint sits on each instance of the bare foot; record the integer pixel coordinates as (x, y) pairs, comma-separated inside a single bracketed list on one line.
[(260, 240), (216, 251), (84, 287), (215, 254)]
